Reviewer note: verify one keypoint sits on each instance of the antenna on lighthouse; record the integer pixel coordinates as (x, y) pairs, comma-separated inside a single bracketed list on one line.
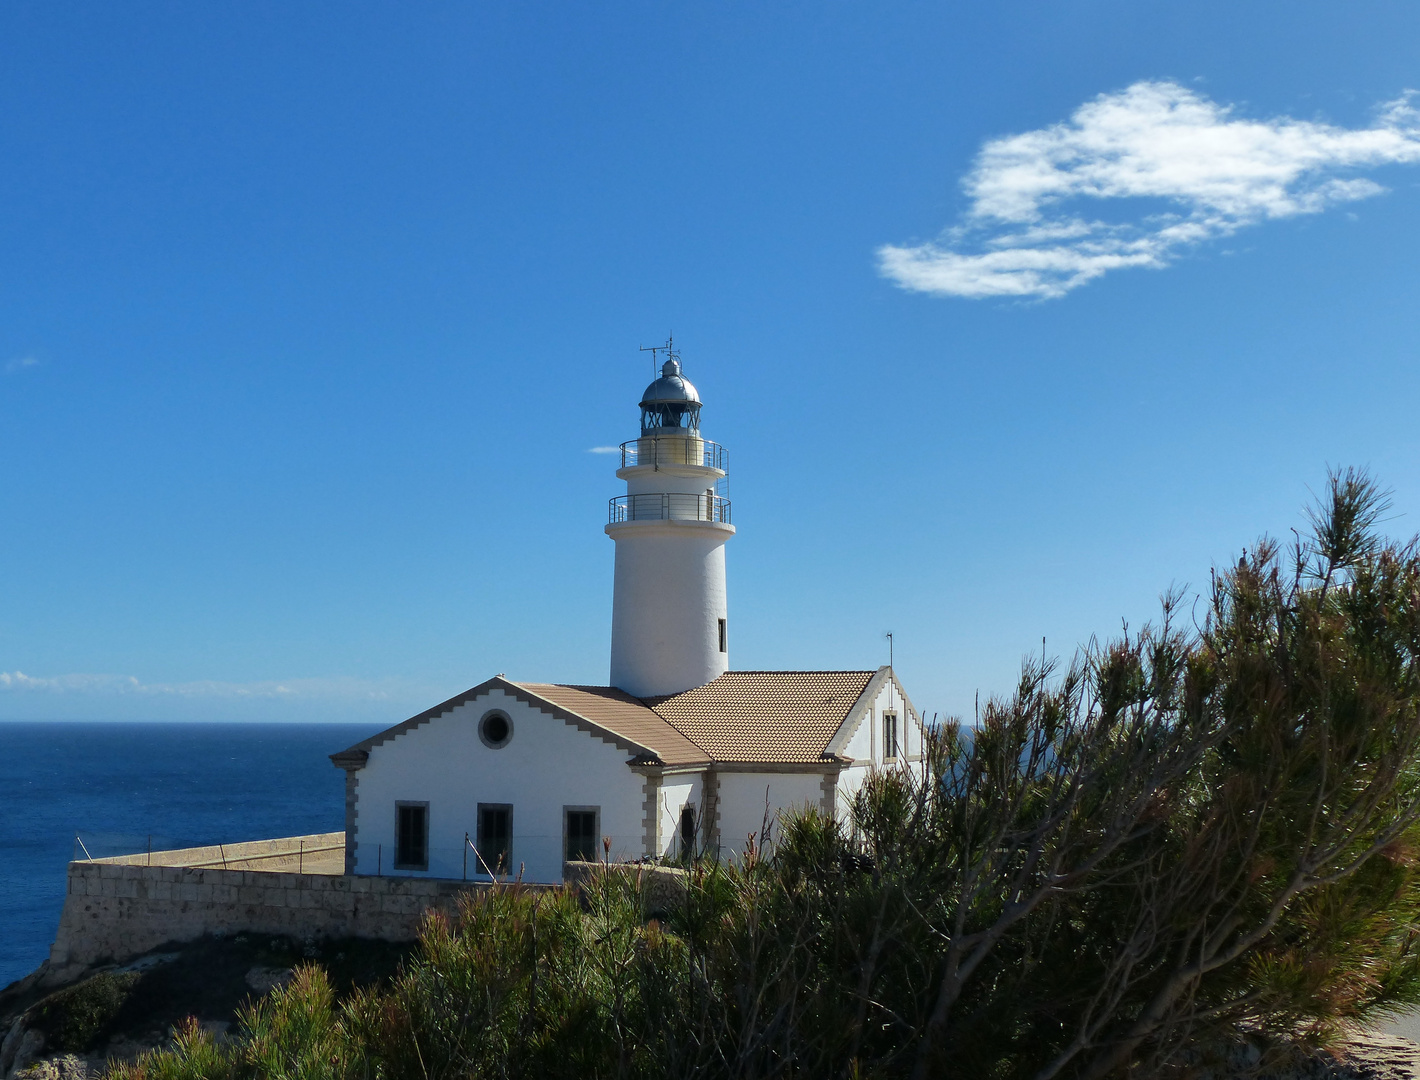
[(672, 353)]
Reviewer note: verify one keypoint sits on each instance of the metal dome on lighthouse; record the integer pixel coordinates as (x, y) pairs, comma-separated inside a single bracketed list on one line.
[(670, 404), (670, 620)]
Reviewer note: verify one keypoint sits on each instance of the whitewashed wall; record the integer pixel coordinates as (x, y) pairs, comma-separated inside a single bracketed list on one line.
[(668, 595), (742, 802), (546, 765), (678, 791), (866, 745)]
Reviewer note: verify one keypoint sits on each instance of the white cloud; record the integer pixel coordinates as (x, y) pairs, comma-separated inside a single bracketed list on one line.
[(126, 685), (604, 450), (1204, 172), (20, 363)]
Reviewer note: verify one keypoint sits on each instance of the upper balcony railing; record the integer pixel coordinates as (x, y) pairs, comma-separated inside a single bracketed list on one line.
[(674, 450), (668, 506)]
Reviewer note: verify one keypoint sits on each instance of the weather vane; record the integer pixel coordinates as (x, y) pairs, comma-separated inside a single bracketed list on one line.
[(668, 348)]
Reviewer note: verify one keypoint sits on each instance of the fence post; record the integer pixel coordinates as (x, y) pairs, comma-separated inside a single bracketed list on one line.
[(465, 856)]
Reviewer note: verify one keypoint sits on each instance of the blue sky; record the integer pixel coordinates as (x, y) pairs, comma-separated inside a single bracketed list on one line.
[(1011, 316)]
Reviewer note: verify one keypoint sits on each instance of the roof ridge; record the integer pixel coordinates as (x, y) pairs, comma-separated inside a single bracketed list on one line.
[(796, 671), (623, 698)]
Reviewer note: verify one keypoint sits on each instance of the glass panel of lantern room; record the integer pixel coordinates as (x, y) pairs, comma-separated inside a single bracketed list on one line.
[(672, 415)]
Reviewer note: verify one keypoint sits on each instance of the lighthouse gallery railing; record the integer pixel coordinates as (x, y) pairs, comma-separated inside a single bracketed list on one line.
[(668, 506), (674, 450)]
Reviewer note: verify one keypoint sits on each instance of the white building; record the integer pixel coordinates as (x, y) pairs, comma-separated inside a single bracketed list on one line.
[(678, 754)]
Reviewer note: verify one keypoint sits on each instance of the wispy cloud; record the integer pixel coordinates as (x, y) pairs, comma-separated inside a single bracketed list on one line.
[(1194, 170), (109, 685), (604, 450), (21, 363)]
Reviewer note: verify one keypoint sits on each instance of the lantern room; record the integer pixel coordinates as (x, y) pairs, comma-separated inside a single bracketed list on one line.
[(670, 405)]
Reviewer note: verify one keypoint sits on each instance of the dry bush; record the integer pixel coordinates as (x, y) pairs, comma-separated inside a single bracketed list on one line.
[(1184, 838)]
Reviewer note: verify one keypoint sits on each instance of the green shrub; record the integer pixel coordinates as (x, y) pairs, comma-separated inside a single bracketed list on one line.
[(74, 1019), (1182, 840)]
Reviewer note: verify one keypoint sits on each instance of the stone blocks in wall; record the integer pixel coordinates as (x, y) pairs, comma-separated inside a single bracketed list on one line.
[(663, 887), (118, 911)]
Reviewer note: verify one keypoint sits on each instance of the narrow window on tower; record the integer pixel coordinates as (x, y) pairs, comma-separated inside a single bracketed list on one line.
[(411, 831), (889, 736), (495, 837), (580, 827), (724, 640)]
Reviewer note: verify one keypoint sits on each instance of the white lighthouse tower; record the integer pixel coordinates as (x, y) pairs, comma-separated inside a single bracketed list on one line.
[(669, 629)]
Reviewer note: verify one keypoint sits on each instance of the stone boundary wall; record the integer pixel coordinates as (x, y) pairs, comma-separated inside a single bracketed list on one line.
[(662, 887), (114, 911), (119, 908)]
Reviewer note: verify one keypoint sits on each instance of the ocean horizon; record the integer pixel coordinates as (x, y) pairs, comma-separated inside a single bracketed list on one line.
[(76, 788)]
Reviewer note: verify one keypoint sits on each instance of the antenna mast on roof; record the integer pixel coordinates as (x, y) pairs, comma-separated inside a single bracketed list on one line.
[(672, 353)]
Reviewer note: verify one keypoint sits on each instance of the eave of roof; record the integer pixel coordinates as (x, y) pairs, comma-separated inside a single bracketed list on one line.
[(749, 718), (603, 712)]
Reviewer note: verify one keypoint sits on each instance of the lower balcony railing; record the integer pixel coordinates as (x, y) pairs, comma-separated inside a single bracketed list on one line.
[(668, 506)]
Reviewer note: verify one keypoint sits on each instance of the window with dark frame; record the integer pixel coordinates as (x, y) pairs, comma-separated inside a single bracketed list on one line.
[(495, 837), (495, 729), (724, 638), (687, 830), (889, 735), (581, 828), (411, 836)]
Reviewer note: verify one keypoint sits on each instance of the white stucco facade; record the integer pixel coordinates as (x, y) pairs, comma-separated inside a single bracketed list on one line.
[(865, 746), (678, 791), (547, 765), (748, 801), (553, 762)]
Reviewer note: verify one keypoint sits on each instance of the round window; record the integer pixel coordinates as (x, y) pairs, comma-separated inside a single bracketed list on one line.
[(495, 729)]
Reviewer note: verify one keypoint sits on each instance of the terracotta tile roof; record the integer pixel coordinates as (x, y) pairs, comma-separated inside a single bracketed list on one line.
[(620, 713), (750, 717), (765, 716)]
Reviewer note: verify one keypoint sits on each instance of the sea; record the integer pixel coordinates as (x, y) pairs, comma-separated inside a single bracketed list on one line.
[(74, 790)]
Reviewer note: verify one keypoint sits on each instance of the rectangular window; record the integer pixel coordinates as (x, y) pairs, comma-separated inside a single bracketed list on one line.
[(889, 736), (411, 831), (495, 838), (724, 638), (687, 830), (580, 826)]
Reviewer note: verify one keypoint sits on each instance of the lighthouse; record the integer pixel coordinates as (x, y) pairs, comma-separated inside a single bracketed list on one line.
[(669, 619), (678, 758)]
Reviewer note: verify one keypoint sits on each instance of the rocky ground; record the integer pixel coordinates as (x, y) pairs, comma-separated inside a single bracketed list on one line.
[(1368, 1056), (118, 1012)]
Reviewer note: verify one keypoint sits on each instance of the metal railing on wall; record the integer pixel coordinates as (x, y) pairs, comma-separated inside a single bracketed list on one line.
[(674, 450), (301, 854), (668, 506)]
